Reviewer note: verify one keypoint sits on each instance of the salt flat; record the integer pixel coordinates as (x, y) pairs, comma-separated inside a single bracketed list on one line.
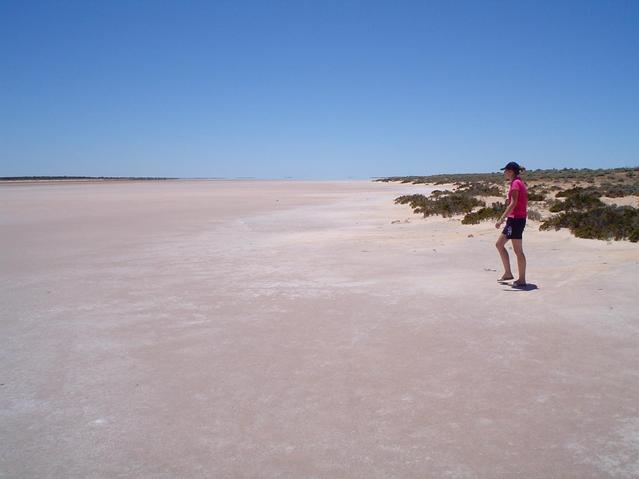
[(200, 329)]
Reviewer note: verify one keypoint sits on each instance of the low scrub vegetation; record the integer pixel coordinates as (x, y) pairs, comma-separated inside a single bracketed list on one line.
[(577, 204), (610, 190), (445, 205), (629, 175), (492, 212), (577, 199), (536, 195), (586, 216), (603, 222), (577, 190), (481, 188), (438, 193)]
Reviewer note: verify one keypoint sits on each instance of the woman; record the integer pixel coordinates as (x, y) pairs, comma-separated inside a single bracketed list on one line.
[(515, 213)]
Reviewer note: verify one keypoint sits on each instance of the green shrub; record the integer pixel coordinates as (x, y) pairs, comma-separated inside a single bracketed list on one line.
[(438, 193), (485, 214), (578, 190), (604, 223), (577, 199), (446, 206), (534, 195), (611, 190)]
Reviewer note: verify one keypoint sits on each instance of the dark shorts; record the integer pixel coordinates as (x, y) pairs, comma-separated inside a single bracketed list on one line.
[(514, 228)]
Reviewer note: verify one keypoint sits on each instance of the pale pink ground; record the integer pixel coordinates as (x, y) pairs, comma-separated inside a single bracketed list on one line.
[(289, 329)]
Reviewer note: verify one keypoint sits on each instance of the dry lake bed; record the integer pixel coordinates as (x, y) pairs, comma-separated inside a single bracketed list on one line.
[(304, 329)]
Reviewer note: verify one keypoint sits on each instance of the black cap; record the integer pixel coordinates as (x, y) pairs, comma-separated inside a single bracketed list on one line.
[(512, 166)]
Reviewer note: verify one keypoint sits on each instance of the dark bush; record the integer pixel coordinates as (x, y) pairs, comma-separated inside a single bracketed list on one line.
[(485, 214), (534, 195), (578, 190), (606, 222), (438, 193), (446, 206), (611, 190), (578, 199)]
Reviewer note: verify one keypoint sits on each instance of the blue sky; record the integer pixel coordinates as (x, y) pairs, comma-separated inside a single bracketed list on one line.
[(316, 90)]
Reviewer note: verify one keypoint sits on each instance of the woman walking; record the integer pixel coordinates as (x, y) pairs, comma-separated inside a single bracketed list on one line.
[(515, 213)]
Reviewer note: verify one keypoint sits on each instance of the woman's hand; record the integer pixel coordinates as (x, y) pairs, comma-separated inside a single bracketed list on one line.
[(499, 223)]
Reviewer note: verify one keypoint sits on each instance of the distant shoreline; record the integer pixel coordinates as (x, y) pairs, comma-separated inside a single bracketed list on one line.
[(95, 179), (83, 178)]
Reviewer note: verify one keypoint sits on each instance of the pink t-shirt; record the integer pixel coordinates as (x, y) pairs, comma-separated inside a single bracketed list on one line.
[(522, 200)]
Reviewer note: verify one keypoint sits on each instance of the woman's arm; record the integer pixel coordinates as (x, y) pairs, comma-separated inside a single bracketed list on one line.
[(511, 206)]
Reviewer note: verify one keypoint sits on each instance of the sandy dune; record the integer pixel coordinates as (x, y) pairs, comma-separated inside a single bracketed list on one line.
[(245, 329)]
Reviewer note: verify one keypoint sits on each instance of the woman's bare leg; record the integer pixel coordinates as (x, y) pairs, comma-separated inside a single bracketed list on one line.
[(521, 260), (505, 259)]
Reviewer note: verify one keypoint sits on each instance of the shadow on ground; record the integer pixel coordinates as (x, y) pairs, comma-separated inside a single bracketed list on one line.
[(528, 287)]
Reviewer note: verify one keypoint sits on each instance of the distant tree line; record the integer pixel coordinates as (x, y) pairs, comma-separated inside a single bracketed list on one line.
[(23, 178), (564, 174)]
